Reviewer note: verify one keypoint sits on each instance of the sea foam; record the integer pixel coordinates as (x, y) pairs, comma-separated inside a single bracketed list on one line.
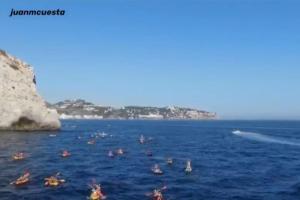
[(265, 138)]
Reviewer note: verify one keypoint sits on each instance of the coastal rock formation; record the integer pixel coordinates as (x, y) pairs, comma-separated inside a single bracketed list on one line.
[(80, 109), (21, 107)]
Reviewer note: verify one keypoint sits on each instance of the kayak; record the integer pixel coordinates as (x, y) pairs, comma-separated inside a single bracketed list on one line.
[(21, 181), (91, 142), (53, 182), (95, 196), (18, 157), (66, 154), (157, 172)]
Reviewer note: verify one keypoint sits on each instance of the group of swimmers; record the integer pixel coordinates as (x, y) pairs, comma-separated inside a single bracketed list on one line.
[(96, 190)]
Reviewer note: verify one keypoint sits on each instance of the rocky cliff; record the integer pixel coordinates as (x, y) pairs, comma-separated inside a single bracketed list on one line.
[(21, 107)]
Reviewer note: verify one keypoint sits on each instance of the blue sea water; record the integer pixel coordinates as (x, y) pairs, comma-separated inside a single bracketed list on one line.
[(262, 161)]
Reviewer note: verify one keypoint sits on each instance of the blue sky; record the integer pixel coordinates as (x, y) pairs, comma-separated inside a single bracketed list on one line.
[(239, 58)]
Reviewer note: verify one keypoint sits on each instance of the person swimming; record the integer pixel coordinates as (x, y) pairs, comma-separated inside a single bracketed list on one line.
[(54, 181), (22, 179), (96, 193), (157, 170), (65, 153), (18, 156), (188, 167)]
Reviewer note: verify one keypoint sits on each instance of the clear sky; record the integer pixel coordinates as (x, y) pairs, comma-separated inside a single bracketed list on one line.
[(239, 58)]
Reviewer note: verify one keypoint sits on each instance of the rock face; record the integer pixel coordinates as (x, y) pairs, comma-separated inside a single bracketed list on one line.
[(21, 107)]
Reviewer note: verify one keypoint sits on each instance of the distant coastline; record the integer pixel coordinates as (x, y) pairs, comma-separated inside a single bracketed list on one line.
[(81, 109)]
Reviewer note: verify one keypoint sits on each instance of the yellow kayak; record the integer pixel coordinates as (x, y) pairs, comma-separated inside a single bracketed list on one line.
[(21, 181), (95, 196), (53, 182)]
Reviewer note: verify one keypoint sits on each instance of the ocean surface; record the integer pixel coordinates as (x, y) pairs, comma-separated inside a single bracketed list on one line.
[(259, 161)]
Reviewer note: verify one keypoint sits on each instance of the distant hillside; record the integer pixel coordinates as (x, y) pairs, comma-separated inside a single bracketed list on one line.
[(80, 109)]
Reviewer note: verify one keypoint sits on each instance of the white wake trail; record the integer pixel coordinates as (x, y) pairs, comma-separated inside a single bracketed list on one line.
[(264, 138)]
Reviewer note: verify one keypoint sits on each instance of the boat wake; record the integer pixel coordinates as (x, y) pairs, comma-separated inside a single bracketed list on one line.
[(264, 138)]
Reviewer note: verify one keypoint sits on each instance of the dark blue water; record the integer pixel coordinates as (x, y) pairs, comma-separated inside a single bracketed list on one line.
[(225, 165)]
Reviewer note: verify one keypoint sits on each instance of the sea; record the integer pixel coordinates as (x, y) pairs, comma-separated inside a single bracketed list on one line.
[(239, 160)]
